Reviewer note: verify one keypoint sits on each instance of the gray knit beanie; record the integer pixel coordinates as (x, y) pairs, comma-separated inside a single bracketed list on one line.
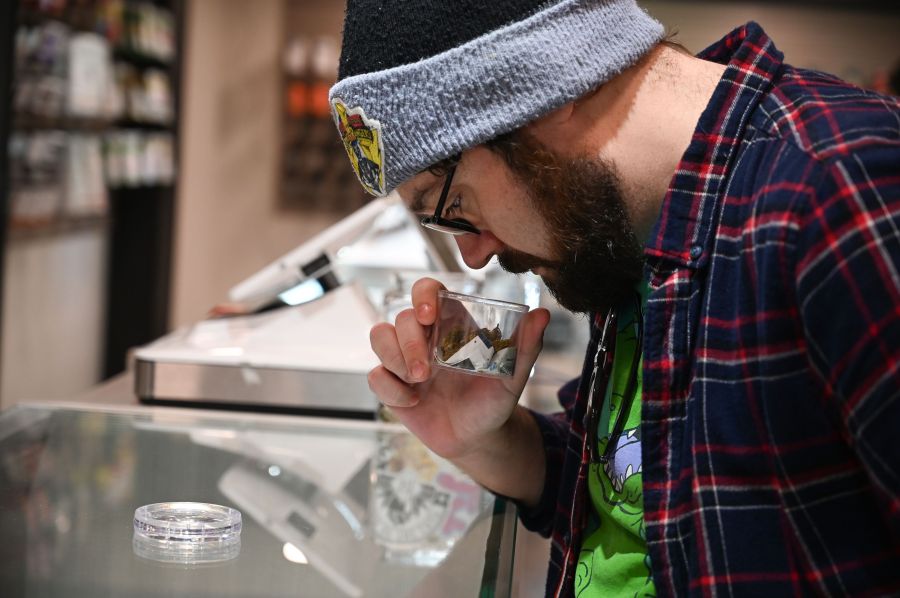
[(423, 80)]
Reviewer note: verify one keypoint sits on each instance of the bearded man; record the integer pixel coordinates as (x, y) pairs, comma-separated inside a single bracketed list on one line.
[(732, 226)]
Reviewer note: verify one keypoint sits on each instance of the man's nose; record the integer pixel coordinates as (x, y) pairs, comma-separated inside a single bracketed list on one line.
[(477, 250)]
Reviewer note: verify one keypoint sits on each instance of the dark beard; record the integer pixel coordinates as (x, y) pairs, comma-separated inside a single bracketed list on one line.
[(581, 201)]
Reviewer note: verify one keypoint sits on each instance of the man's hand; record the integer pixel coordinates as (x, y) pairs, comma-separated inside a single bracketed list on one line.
[(468, 419)]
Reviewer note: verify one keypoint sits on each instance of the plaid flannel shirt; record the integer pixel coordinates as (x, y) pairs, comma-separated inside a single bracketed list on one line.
[(771, 395)]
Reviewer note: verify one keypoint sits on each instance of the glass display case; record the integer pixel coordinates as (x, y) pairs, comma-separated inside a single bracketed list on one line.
[(329, 507)]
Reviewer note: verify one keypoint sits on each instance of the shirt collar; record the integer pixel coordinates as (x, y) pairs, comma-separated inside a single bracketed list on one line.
[(683, 231)]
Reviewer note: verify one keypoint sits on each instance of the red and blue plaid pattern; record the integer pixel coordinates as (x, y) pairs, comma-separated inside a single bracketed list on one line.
[(771, 392)]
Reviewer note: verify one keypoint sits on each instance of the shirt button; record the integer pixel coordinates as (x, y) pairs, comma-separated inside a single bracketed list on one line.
[(696, 252)]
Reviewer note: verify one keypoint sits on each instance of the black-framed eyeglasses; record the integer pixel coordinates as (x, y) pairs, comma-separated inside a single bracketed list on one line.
[(451, 226), (600, 380)]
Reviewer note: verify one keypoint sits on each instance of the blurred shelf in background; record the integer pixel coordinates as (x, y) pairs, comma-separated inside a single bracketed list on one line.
[(316, 175), (89, 150), (57, 226)]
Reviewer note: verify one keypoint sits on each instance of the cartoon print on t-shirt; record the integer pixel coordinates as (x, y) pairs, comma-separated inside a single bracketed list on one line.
[(620, 480)]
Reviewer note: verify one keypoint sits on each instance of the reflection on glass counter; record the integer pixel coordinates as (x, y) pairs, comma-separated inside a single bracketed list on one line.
[(329, 508)]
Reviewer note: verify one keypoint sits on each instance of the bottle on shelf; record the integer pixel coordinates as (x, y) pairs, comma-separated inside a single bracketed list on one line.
[(93, 107)]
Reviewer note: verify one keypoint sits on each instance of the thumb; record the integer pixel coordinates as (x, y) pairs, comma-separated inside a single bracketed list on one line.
[(530, 343)]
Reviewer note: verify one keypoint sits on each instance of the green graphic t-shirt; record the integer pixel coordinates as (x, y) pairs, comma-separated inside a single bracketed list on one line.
[(614, 560)]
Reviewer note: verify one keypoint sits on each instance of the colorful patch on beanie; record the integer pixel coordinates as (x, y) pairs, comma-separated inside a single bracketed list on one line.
[(362, 140)]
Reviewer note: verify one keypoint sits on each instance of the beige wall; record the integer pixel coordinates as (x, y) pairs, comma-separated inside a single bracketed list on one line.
[(54, 298), (228, 224), (313, 17), (852, 44)]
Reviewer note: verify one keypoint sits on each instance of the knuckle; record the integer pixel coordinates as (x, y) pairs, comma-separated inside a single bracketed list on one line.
[(399, 398), (372, 378), (425, 289), (377, 332), (396, 398), (406, 316), (412, 346), (392, 397), (422, 284)]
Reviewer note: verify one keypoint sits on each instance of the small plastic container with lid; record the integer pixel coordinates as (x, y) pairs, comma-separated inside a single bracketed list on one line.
[(187, 532), (476, 335)]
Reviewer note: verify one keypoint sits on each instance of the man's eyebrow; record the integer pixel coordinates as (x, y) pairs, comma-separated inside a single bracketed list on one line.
[(418, 202)]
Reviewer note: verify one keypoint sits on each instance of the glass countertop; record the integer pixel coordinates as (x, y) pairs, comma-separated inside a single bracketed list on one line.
[(329, 508)]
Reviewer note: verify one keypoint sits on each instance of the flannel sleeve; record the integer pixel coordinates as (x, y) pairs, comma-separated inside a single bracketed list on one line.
[(848, 292), (554, 433)]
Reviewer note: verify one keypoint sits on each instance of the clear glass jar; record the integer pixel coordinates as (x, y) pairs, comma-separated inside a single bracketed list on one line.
[(476, 335)]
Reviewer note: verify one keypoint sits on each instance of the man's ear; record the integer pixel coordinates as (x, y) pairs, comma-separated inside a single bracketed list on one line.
[(552, 121), (555, 128)]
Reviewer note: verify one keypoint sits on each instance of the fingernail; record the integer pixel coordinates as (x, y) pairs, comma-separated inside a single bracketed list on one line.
[(423, 310), (417, 370)]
